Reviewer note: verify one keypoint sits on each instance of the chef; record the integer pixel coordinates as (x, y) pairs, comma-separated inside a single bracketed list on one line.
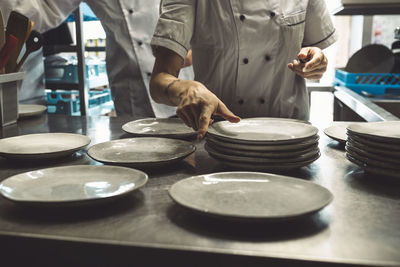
[(250, 58), (129, 26)]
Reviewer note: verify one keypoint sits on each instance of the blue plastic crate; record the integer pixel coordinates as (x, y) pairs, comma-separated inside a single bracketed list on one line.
[(372, 83)]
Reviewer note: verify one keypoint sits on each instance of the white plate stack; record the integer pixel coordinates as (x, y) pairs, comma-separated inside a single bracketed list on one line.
[(375, 147), (263, 144)]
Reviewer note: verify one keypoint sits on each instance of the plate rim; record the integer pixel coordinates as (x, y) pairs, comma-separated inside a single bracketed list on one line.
[(376, 137), (182, 135), (246, 217), (19, 154), (75, 201), (136, 163), (42, 109), (258, 160), (313, 129)]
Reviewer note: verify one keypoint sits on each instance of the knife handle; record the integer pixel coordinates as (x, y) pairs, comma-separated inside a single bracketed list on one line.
[(7, 50)]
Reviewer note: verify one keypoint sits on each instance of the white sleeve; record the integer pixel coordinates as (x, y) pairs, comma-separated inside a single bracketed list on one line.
[(175, 26), (319, 29), (46, 14)]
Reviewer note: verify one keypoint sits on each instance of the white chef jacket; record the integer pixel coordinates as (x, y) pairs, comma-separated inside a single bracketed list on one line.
[(129, 26), (241, 49)]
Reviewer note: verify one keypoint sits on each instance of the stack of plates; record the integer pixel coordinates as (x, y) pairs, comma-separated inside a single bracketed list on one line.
[(263, 143), (375, 147)]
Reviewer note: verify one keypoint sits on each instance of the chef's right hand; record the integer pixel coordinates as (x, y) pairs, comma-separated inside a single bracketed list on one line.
[(196, 104)]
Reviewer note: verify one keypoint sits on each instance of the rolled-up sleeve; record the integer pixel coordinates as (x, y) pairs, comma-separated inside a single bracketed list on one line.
[(175, 26), (319, 29)]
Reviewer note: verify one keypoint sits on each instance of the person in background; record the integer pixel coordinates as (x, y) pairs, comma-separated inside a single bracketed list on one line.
[(250, 58), (129, 26)]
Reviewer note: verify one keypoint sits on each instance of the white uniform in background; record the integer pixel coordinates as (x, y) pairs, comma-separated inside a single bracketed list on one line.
[(241, 49), (129, 26)]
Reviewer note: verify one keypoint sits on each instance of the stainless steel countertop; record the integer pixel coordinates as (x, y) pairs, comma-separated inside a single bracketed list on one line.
[(360, 227), (363, 106)]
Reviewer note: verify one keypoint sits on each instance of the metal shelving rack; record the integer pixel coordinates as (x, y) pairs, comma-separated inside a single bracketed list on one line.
[(79, 48)]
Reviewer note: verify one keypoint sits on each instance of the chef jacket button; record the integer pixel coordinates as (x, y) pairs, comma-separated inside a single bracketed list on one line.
[(272, 14), (267, 58), (149, 74), (242, 17), (130, 11), (262, 101), (241, 101), (245, 60), (140, 43)]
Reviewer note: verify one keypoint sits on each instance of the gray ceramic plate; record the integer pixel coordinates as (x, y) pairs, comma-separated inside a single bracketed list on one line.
[(263, 131), (261, 154), (264, 148), (373, 169), (159, 127), (372, 149), (373, 156), (374, 143), (370, 161), (141, 151), (338, 130), (257, 160), (78, 184), (27, 110), (42, 146), (250, 195), (383, 131), (264, 166)]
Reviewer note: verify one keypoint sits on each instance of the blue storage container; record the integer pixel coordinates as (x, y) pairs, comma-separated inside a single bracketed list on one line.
[(371, 83)]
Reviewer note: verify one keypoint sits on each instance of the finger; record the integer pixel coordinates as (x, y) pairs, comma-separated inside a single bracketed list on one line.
[(183, 118), (307, 75), (187, 112), (195, 112), (315, 77), (204, 121), (314, 62), (225, 113), (320, 71), (304, 53)]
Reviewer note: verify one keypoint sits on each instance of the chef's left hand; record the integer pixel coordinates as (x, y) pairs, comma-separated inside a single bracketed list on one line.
[(313, 64)]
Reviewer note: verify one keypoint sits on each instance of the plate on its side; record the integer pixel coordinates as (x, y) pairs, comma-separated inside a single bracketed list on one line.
[(141, 151), (338, 130), (250, 196), (28, 110), (382, 131), (264, 148), (263, 131), (259, 160), (159, 127), (71, 185), (42, 146)]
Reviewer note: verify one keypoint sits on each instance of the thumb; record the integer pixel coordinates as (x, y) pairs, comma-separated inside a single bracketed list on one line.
[(225, 113), (303, 54)]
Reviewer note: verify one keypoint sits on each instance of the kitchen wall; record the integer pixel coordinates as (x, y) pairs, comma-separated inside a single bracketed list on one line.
[(383, 29)]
